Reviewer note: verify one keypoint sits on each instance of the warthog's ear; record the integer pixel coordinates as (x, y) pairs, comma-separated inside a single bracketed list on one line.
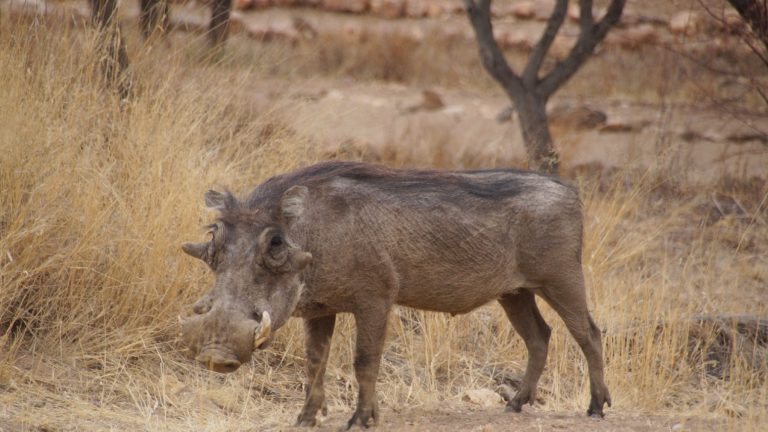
[(217, 200), (197, 250), (294, 203)]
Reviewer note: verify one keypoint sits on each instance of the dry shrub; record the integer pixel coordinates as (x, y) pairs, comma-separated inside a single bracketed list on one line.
[(97, 194)]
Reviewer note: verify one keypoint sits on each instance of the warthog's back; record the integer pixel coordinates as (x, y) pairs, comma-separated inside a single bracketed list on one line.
[(447, 241)]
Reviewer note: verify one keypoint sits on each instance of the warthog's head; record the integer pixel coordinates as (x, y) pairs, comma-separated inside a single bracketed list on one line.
[(257, 287)]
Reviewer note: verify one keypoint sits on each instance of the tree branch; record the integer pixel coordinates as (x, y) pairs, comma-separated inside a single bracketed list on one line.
[(493, 59), (755, 14), (531, 72), (590, 35)]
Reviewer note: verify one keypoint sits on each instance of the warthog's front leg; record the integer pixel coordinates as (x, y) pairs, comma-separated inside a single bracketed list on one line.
[(318, 333), (371, 330)]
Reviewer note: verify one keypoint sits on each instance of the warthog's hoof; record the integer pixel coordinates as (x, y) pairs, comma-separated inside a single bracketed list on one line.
[(514, 406), (596, 406), (362, 418), (303, 421)]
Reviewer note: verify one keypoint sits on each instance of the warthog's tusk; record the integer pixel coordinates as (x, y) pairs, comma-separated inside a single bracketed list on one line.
[(261, 334)]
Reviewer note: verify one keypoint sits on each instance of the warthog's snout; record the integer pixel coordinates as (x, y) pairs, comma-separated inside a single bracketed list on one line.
[(218, 361), (221, 342)]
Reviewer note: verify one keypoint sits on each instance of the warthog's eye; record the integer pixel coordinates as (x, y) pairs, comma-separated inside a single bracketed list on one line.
[(276, 241), (256, 315), (202, 306)]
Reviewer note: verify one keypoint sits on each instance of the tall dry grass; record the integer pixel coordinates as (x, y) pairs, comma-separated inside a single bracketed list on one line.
[(98, 193)]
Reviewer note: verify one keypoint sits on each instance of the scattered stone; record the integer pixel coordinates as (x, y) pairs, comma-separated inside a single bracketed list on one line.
[(561, 47), (391, 9), (483, 397), (519, 40), (690, 135), (577, 117), (748, 136), (431, 100), (542, 9), (505, 115), (613, 125), (242, 4), (346, 6), (434, 9), (416, 8), (634, 37), (522, 10), (501, 9), (537, 9), (686, 23), (278, 31), (303, 27)]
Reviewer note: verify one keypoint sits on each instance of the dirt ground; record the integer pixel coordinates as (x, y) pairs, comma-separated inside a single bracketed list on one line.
[(462, 417)]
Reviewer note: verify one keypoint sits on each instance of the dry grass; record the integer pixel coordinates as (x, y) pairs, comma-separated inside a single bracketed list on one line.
[(97, 195)]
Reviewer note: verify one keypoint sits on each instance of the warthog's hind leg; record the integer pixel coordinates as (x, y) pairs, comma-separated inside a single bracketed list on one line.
[(525, 317), (318, 333), (569, 300)]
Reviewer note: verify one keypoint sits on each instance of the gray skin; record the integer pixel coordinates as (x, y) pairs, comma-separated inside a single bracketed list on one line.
[(351, 237)]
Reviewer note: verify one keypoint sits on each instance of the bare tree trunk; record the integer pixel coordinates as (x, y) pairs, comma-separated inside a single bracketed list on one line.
[(114, 57), (530, 92), (532, 113), (154, 17), (755, 13), (219, 29)]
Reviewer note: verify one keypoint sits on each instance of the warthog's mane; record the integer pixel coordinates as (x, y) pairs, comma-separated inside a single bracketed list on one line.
[(484, 184)]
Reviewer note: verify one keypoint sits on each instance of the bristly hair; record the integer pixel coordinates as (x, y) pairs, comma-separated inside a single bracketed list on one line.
[(231, 210)]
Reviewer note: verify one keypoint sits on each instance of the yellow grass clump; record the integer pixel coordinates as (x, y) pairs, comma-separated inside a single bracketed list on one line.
[(96, 194)]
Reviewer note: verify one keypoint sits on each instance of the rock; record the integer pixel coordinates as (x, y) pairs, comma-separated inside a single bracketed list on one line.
[(242, 4), (622, 125), (561, 47), (251, 4), (277, 31), (347, 6), (303, 28), (434, 9), (416, 8), (505, 115), (636, 36), (686, 23), (483, 397), (537, 9), (574, 12), (542, 9), (748, 136), (501, 9), (390, 9), (516, 39), (578, 117), (296, 3), (522, 10), (430, 101)]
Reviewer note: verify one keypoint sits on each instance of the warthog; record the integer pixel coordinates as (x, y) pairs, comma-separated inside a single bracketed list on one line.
[(352, 237)]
